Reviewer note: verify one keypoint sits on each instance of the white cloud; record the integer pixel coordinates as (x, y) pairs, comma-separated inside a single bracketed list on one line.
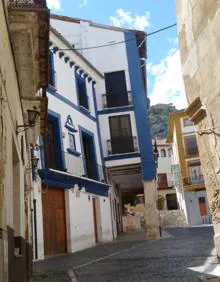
[(83, 3), (54, 4), (125, 18), (168, 86)]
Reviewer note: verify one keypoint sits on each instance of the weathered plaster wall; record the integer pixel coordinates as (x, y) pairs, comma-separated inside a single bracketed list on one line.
[(199, 38), (12, 167)]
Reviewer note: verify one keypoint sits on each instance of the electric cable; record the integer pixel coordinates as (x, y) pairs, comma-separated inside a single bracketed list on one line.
[(121, 42)]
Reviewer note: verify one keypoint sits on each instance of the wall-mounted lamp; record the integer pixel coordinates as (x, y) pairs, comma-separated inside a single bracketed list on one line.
[(33, 116), (34, 162)]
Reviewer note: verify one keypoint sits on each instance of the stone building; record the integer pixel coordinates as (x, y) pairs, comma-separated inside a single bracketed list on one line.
[(199, 39), (23, 76)]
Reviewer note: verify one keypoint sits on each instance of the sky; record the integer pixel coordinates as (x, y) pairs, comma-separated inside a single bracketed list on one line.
[(165, 84)]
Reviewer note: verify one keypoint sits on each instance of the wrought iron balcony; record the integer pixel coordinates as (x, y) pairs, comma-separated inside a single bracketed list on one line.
[(114, 101), (84, 168), (34, 4), (122, 145)]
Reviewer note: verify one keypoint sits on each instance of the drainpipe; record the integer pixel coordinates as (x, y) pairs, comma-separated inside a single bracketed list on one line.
[(35, 229)]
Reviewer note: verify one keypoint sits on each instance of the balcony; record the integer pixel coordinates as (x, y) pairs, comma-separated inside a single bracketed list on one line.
[(113, 101), (122, 145), (29, 33), (83, 168), (192, 180)]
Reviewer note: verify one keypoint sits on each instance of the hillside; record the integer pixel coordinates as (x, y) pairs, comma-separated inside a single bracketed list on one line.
[(159, 118)]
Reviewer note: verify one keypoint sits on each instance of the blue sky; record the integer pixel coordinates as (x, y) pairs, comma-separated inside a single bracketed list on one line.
[(164, 72)]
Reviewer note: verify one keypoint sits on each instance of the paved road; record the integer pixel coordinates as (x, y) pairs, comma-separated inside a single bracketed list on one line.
[(180, 257)]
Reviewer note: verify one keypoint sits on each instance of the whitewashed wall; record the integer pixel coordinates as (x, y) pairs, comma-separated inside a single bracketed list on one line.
[(106, 220), (192, 203)]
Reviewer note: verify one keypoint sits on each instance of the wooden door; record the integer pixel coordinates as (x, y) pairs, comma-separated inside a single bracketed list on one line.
[(54, 221), (202, 206), (95, 219)]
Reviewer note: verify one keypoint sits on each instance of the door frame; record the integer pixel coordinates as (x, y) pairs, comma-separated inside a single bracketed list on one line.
[(90, 135)]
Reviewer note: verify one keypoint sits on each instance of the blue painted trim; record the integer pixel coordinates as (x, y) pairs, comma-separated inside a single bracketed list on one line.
[(116, 110), (69, 124), (60, 160), (99, 130), (139, 98), (42, 155), (122, 156), (68, 102), (66, 59), (54, 179), (72, 64), (73, 152), (89, 134), (61, 54)]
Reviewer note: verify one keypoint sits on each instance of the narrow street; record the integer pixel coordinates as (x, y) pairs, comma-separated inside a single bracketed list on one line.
[(184, 254)]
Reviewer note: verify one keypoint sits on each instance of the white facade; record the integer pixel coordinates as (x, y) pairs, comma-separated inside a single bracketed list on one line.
[(87, 212)]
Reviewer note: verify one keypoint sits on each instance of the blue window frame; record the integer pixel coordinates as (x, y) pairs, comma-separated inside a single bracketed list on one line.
[(82, 91), (52, 81)]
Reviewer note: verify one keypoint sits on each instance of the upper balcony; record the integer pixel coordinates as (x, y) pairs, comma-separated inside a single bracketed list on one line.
[(199, 180), (116, 100), (29, 33), (84, 168), (122, 145)]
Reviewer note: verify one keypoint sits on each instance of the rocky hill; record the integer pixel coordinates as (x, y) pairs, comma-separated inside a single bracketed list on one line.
[(159, 119)]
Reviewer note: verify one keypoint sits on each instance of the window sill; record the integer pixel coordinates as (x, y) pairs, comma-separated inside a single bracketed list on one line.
[(73, 152), (84, 109)]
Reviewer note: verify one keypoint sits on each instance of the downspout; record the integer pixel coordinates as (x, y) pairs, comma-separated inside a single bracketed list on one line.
[(35, 229)]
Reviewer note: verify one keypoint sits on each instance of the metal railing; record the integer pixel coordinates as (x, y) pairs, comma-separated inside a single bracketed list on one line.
[(122, 145), (27, 4), (115, 97), (206, 219), (192, 180), (81, 167)]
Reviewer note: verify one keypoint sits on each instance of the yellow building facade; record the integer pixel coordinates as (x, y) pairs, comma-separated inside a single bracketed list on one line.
[(186, 169)]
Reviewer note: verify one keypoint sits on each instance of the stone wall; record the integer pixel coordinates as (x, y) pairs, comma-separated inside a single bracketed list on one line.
[(174, 218), (199, 39)]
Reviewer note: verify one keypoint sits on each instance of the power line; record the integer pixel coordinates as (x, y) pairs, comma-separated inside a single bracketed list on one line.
[(120, 42)]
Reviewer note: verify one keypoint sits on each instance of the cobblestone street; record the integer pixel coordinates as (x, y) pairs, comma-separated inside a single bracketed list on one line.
[(184, 255)]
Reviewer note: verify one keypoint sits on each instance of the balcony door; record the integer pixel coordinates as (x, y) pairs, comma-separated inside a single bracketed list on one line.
[(116, 89), (121, 134)]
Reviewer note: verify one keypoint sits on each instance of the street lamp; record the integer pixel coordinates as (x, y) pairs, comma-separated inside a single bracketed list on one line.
[(33, 116)]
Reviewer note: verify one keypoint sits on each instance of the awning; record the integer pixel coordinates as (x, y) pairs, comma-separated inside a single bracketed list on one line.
[(63, 180)]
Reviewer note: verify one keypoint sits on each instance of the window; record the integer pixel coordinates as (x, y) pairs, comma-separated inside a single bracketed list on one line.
[(202, 206), (72, 142), (195, 172), (116, 89), (187, 122), (121, 134), (52, 81), (163, 153), (82, 92), (162, 180), (191, 147)]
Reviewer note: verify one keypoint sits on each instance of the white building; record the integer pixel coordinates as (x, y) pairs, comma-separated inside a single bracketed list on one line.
[(164, 175), (186, 169), (73, 199), (121, 107)]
